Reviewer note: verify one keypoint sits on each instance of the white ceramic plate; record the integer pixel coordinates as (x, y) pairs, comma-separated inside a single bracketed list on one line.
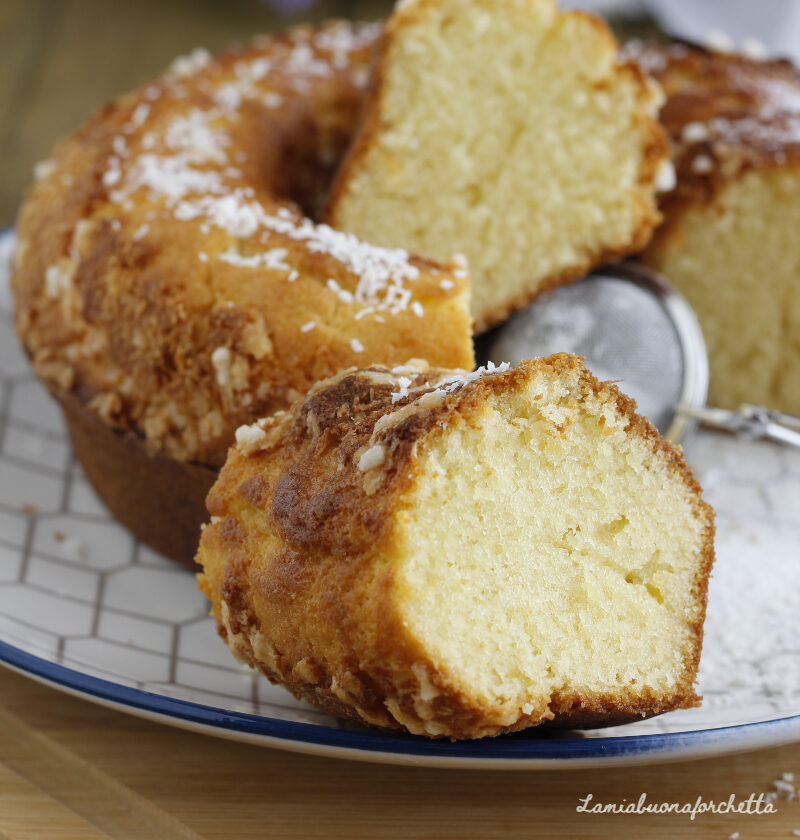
[(86, 608)]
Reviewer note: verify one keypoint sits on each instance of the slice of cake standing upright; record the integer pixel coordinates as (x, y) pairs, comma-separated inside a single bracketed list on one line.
[(730, 240), (507, 131)]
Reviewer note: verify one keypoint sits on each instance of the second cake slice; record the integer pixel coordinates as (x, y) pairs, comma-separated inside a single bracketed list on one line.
[(506, 131)]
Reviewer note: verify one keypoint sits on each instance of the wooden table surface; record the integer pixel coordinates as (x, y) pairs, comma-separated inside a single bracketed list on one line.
[(70, 769), (61, 59)]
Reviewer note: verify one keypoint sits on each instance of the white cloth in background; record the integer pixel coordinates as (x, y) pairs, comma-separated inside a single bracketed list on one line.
[(773, 23)]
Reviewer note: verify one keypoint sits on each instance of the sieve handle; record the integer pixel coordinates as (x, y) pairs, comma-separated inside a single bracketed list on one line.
[(754, 421)]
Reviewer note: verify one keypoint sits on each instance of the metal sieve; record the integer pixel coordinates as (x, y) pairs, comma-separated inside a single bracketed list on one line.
[(633, 327)]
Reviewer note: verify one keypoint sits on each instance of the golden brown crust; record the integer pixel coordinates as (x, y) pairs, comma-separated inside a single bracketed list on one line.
[(297, 558), (655, 148), (725, 114), (132, 285), (160, 500)]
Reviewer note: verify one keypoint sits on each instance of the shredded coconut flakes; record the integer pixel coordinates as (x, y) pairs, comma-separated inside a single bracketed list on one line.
[(43, 169), (666, 179), (451, 383), (702, 164), (249, 438), (187, 164), (221, 359), (694, 132), (56, 280), (188, 65), (273, 259), (373, 457)]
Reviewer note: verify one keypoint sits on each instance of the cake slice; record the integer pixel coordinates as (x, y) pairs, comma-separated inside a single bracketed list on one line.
[(505, 131), (729, 240), (463, 554)]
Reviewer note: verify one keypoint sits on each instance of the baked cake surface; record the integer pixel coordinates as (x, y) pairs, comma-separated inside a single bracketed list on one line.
[(166, 274), (729, 238), (463, 554), (506, 131)]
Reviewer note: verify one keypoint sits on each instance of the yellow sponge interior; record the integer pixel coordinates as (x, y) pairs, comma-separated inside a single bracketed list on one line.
[(546, 551)]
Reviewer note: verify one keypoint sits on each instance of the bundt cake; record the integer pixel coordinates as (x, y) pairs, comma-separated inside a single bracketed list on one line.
[(169, 286), (463, 554), (506, 131), (729, 239)]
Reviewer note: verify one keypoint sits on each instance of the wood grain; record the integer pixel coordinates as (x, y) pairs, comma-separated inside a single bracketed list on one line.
[(61, 60), (57, 787), (45, 816)]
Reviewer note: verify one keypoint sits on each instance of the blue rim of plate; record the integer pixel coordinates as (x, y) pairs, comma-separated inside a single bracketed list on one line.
[(504, 752)]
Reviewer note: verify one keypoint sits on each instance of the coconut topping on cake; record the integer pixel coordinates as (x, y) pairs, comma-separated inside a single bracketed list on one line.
[(451, 383), (249, 438), (665, 177), (373, 457), (186, 163), (724, 110), (188, 65), (188, 287)]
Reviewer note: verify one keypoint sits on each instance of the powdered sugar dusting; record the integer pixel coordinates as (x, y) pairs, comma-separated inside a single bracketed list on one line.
[(753, 619)]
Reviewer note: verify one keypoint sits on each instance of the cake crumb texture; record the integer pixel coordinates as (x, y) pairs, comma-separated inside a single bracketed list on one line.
[(508, 132)]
